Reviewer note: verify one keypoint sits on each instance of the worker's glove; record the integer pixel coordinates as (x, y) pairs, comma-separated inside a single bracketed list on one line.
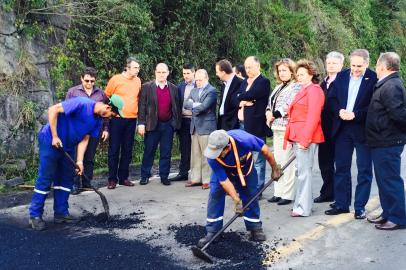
[(238, 207)]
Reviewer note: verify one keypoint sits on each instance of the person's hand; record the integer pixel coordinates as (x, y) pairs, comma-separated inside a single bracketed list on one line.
[(346, 115), (56, 142), (301, 147), (269, 118), (238, 207), (350, 115), (249, 103), (79, 167), (276, 172), (105, 135), (141, 130)]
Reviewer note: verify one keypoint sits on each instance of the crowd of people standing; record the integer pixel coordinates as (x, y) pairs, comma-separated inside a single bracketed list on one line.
[(350, 109)]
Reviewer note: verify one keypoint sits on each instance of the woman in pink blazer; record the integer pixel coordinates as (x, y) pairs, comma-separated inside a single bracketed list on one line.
[(304, 132)]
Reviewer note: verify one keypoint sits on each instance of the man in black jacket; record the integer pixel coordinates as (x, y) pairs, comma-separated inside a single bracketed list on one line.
[(386, 135), (228, 109)]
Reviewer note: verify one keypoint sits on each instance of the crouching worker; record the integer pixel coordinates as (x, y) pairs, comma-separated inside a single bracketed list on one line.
[(229, 155), (70, 124)]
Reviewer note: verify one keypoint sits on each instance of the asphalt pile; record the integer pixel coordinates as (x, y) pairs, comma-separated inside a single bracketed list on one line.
[(22, 248), (232, 251), (114, 222)]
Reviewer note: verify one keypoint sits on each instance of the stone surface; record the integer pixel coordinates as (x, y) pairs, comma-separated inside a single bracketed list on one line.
[(13, 182)]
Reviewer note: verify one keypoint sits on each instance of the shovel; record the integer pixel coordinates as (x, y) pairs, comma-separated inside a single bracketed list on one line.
[(200, 253), (101, 195)]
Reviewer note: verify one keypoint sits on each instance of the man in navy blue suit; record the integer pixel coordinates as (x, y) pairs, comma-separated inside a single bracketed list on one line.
[(185, 139), (253, 98), (350, 97)]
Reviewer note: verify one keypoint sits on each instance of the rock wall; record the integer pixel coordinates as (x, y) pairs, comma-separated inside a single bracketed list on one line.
[(22, 54)]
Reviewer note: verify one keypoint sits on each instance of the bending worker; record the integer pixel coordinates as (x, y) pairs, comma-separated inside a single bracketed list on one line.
[(230, 156), (70, 125)]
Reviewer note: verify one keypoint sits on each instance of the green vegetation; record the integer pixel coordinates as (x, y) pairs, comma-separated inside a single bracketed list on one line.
[(103, 33)]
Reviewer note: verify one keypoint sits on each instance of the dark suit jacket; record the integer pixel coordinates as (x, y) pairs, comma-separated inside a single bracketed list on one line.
[(254, 116), (203, 116), (326, 114), (338, 100), (181, 92), (229, 120), (148, 106)]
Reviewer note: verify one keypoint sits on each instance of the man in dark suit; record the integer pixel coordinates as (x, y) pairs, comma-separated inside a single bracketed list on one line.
[(185, 139), (350, 97), (253, 100), (159, 115), (227, 115), (334, 64), (202, 102), (386, 135)]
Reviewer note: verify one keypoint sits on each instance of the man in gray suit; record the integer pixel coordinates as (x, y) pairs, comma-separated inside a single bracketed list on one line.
[(202, 102)]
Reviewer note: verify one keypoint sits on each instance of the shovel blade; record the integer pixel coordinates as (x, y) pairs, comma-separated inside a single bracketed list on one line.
[(201, 254), (104, 203)]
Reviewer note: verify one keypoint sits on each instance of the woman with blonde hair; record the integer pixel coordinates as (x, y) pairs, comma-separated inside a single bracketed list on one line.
[(305, 133), (277, 119)]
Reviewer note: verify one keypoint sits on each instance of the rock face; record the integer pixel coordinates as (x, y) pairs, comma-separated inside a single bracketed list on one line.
[(26, 89)]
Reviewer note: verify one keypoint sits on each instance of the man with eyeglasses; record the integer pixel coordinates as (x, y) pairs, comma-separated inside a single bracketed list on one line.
[(88, 89), (126, 86)]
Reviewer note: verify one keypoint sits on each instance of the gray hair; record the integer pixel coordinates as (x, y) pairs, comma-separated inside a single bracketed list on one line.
[(336, 55), (390, 60), (254, 58), (361, 53), (162, 64), (131, 59), (203, 71)]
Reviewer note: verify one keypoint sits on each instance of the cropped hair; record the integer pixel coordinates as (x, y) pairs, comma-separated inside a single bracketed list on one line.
[(241, 69), (225, 65), (288, 63), (336, 55), (361, 53), (129, 60), (204, 72), (390, 60), (189, 66), (89, 71), (311, 68)]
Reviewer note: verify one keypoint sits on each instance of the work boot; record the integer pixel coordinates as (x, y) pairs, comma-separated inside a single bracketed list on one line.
[(37, 223), (65, 219), (203, 241), (258, 235)]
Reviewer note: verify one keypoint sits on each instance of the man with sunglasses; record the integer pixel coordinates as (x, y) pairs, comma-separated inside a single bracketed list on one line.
[(88, 89), (229, 154)]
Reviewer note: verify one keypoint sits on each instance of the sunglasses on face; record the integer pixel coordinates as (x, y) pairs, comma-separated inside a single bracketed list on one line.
[(89, 81)]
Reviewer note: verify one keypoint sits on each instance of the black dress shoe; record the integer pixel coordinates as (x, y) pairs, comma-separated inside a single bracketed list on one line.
[(377, 220), (179, 177), (332, 205), (389, 226), (336, 211), (322, 199), (126, 183), (144, 180), (75, 190), (360, 214), (165, 181), (274, 199), (284, 202)]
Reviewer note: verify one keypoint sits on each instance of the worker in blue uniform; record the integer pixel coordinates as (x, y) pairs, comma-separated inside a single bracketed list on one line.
[(229, 155), (70, 124)]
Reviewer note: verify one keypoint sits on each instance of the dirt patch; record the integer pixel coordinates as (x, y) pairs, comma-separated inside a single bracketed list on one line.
[(232, 251)]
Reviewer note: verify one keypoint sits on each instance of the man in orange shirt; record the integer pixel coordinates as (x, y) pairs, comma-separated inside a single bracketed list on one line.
[(122, 129)]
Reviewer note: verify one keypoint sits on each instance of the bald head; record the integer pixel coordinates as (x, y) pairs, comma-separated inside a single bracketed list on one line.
[(252, 66), (161, 73)]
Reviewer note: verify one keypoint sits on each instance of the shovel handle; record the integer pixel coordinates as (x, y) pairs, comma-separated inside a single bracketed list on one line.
[(248, 204)]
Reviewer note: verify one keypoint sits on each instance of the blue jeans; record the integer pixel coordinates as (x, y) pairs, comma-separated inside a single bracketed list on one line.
[(162, 135), (54, 168), (346, 142), (391, 187), (215, 206)]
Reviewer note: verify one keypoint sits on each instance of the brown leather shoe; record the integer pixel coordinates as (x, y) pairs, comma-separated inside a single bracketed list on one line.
[(112, 185), (389, 226), (206, 186), (377, 220), (191, 184), (127, 183)]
